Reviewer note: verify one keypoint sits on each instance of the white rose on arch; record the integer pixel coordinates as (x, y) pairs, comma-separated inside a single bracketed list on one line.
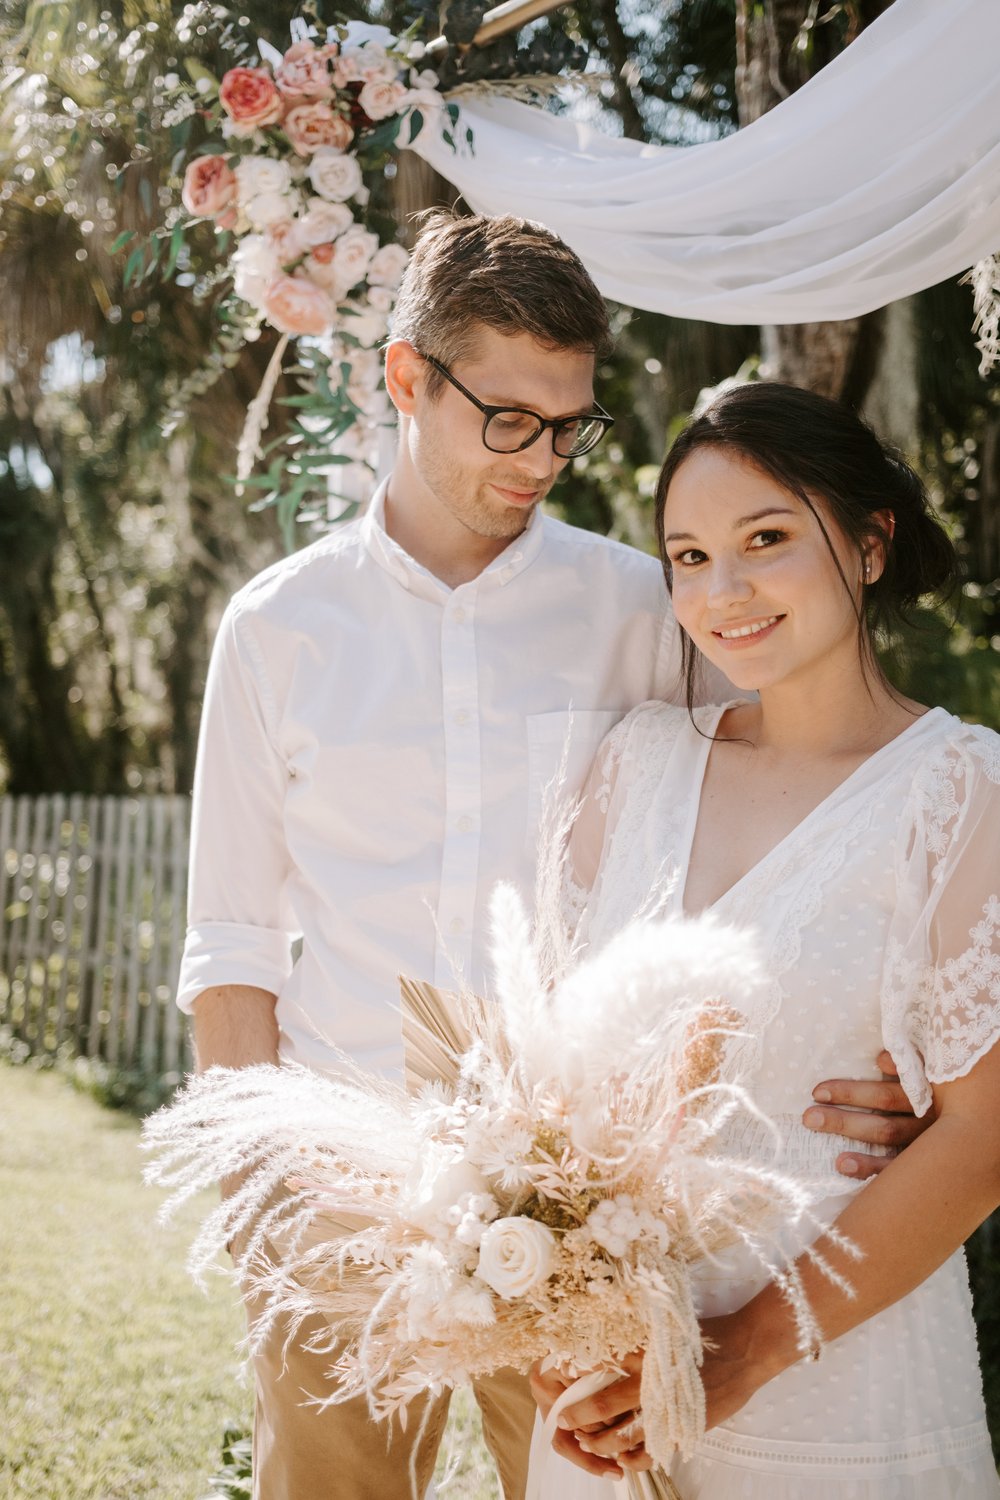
[(367, 327), (515, 1255), (323, 221), (388, 265), (270, 208), (353, 254), (259, 176), (255, 265), (333, 175)]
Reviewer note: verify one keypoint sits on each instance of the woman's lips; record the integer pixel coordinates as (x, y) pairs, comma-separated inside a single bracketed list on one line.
[(762, 629)]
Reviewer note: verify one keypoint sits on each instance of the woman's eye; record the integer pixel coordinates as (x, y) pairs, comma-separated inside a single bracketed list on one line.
[(689, 558), (767, 538)]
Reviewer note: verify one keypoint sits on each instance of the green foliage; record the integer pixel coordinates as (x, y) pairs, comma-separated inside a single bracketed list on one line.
[(234, 1479)]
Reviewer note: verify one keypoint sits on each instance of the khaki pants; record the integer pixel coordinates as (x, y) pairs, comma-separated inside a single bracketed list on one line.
[(301, 1453)]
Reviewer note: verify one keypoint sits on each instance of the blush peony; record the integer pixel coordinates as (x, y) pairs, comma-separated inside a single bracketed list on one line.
[(250, 99), (380, 100), (310, 126), (209, 190), (296, 305), (304, 71)]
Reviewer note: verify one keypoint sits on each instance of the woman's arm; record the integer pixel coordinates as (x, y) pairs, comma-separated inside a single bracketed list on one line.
[(905, 1224)]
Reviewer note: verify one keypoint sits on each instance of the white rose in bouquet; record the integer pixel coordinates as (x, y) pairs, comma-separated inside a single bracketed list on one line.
[(388, 265), (334, 176), (367, 327), (515, 1255)]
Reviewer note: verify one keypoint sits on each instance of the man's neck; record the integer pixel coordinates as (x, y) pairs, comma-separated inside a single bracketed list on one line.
[(439, 541)]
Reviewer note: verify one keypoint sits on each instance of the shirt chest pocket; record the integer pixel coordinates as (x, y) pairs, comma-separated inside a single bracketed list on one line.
[(561, 749)]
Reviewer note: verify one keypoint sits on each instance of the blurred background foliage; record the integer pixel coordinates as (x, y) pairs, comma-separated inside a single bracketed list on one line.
[(120, 535)]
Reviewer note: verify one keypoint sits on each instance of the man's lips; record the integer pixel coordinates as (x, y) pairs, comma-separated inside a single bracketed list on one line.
[(739, 634), (518, 496)]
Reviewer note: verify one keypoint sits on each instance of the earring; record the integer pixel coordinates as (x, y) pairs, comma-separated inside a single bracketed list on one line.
[(868, 570)]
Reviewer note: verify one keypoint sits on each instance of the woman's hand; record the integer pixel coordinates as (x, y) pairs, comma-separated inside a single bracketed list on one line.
[(601, 1433)]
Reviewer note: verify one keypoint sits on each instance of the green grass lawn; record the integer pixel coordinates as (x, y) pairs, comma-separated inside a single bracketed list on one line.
[(117, 1375)]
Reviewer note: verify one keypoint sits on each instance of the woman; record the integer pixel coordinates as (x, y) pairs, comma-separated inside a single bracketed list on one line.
[(858, 834)]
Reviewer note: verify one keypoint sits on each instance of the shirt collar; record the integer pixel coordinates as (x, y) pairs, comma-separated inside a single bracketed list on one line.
[(419, 580)]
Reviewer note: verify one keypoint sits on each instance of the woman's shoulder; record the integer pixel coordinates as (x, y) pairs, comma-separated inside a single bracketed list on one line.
[(952, 746)]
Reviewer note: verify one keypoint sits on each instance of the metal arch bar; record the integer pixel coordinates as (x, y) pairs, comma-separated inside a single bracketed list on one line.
[(510, 16)]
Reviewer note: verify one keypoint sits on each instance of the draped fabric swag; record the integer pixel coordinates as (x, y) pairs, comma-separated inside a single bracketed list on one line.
[(879, 177)]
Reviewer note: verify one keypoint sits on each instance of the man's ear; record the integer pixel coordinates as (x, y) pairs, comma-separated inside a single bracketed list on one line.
[(405, 374)]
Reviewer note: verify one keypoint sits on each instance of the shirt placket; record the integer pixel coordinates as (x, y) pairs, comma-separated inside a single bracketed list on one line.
[(463, 787)]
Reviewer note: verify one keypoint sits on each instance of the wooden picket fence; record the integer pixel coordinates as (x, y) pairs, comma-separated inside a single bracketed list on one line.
[(92, 894)]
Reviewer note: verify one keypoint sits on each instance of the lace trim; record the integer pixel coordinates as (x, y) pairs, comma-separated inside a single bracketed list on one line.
[(907, 1454), (947, 1016)]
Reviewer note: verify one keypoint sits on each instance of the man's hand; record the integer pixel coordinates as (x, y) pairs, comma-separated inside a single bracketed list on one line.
[(876, 1113)]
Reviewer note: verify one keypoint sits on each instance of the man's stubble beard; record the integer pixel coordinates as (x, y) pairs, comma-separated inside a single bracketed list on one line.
[(470, 504)]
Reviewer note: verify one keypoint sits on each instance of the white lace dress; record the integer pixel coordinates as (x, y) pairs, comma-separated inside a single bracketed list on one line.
[(878, 919)]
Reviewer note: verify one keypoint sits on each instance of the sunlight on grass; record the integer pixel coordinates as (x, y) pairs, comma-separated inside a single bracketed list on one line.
[(117, 1375)]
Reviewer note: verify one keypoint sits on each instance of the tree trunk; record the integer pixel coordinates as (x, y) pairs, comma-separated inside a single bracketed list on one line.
[(779, 46)]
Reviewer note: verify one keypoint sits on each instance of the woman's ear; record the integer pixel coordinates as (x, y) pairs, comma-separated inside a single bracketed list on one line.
[(405, 373), (877, 550)]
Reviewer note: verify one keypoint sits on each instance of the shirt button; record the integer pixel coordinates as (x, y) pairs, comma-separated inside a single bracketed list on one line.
[(458, 615), (456, 924), (466, 824), (462, 716)]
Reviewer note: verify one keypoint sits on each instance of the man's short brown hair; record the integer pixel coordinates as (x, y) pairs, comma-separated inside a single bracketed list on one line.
[(505, 273)]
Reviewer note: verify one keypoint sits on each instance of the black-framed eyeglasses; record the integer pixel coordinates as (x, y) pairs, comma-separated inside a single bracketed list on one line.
[(509, 429)]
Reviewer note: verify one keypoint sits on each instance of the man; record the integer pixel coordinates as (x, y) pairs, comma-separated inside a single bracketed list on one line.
[(384, 711)]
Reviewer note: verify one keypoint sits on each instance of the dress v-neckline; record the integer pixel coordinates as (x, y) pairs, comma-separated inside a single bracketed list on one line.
[(705, 749)]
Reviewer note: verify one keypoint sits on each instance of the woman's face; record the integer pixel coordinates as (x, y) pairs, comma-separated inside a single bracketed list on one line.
[(754, 582)]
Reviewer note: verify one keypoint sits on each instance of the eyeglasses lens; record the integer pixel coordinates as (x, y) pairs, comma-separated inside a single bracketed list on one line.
[(510, 431)]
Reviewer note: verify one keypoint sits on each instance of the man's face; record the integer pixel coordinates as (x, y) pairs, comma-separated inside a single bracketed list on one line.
[(494, 494)]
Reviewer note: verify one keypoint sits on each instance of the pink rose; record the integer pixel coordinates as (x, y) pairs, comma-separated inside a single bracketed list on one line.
[(304, 71), (209, 190), (380, 100), (310, 126), (294, 304), (250, 99)]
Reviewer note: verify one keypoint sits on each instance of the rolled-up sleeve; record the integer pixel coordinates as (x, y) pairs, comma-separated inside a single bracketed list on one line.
[(239, 928)]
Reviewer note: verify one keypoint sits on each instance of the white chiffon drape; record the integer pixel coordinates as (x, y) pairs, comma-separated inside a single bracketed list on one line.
[(879, 177), (878, 920)]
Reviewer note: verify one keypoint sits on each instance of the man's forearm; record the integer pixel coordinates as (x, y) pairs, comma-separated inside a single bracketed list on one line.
[(234, 1027)]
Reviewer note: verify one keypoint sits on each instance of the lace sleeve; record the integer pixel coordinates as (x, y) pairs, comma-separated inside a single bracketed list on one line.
[(941, 1010)]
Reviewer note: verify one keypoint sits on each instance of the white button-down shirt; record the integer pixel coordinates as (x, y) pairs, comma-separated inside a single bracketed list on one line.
[(374, 752)]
